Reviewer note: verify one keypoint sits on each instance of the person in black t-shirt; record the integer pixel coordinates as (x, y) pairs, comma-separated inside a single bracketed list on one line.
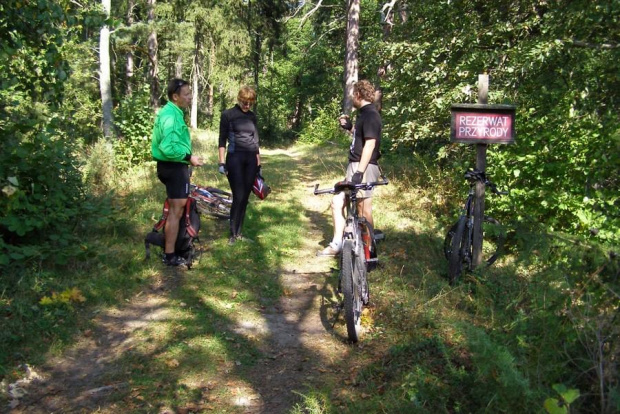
[(242, 164), (363, 156)]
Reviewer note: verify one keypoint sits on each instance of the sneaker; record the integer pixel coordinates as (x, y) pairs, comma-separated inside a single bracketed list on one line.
[(243, 239), (175, 261), (329, 251), (232, 240)]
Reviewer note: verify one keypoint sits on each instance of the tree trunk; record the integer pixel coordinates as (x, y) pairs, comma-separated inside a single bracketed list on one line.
[(104, 75), (178, 67), (210, 102), (257, 49), (193, 122), (129, 64), (152, 51), (350, 62)]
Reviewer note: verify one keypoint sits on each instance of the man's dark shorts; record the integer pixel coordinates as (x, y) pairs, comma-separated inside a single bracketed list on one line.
[(175, 176)]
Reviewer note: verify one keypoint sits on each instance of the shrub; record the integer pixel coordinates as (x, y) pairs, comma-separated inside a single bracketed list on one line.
[(41, 184), (134, 120)]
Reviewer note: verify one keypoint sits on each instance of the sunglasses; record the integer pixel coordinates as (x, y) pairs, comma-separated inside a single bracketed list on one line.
[(178, 85), (246, 103)]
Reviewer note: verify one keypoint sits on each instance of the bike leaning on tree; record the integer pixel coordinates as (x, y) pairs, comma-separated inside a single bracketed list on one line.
[(458, 243)]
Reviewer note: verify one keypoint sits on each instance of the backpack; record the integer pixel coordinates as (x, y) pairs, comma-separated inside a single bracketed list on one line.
[(189, 226)]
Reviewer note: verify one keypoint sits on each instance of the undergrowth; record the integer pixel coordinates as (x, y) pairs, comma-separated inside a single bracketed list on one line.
[(536, 332)]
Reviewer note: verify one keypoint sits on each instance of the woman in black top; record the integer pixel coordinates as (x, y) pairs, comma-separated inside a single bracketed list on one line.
[(242, 163)]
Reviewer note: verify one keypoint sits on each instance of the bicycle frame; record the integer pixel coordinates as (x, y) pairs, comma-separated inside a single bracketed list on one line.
[(354, 221)]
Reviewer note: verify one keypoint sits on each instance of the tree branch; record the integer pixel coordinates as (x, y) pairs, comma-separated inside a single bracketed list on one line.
[(604, 46), (311, 12), (389, 6)]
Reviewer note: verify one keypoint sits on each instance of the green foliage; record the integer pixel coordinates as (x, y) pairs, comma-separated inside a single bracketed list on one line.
[(81, 104), (561, 405), (134, 120), (47, 191), (39, 155), (559, 74), (324, 128)]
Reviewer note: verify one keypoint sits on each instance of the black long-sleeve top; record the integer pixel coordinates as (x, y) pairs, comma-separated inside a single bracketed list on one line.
[(239, 129)]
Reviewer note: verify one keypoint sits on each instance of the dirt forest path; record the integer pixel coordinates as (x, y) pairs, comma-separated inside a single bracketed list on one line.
[(298, 344)]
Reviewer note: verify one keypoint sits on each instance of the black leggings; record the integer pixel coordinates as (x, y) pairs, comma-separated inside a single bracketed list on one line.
[(242, 167)]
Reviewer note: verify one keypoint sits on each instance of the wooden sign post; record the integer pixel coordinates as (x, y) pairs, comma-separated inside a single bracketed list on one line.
[(481, 165), (482, 124)]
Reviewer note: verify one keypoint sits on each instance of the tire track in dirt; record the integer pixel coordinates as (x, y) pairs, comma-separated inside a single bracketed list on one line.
[(304, 349)]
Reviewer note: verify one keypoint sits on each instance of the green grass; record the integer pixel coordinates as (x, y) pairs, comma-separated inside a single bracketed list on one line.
[(496, 342)]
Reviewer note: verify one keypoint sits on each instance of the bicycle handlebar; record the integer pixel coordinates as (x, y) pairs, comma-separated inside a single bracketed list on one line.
[(348, 185), (474, 176)]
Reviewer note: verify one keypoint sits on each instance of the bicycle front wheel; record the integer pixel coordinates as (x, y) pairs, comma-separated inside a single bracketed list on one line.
[(458, 243), (351, 291)]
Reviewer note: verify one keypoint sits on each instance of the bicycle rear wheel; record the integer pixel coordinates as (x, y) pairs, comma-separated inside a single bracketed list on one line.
[(458, 243), (351, 291)]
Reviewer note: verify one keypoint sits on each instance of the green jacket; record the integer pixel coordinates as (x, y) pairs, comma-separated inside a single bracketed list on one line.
[(171, 140)]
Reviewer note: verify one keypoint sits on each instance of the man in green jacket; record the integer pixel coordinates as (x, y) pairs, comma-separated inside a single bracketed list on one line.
[(172, 149)]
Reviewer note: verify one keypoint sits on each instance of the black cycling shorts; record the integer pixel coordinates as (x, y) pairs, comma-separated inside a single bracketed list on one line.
[(175, 176)]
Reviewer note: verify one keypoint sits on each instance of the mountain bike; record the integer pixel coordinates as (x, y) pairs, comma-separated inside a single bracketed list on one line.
[(358, 255), (458, 244), (211, 201)]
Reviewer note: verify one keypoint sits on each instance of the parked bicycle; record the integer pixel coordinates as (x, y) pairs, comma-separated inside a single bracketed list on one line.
[(211, 201), (358, 255), (458, 244)]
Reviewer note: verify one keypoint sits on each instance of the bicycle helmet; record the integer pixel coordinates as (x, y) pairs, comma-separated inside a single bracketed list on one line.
[(260, 188)]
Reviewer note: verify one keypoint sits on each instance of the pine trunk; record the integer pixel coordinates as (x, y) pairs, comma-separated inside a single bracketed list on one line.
[(350, 63)]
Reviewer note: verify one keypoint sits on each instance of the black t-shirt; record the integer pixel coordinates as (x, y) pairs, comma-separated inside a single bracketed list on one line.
[(239, 129), (367, 126)]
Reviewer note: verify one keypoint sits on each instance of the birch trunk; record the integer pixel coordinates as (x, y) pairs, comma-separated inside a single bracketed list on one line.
[(129, 65), (104, 75), (152, 51)]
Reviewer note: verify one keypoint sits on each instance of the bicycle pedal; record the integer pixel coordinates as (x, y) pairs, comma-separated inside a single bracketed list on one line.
[(379, 235)]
